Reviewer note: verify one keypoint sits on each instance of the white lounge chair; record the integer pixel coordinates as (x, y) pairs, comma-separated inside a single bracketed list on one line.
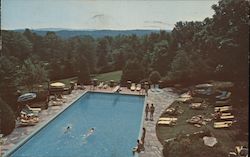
[(133, 87), (138, 87), (100, 85)]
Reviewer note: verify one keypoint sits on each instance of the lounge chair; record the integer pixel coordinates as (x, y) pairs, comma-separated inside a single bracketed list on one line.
[(33, 109), (138, 87), (224, 122), (105, 86), (185, 95), (224, 95), (226, 114), (100, 85), (169, 123), (227, 117), (56, 103), (167, 119), (116, 89), (133, 87), (219, 126), (157, 89), (197, 106), (183, 99), (223, 101), (223, 108)]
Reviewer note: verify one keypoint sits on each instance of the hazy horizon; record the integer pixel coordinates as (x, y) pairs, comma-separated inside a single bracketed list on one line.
[(102, 15)]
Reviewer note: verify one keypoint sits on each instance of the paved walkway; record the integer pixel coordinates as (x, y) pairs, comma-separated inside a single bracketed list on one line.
[(161, 101)]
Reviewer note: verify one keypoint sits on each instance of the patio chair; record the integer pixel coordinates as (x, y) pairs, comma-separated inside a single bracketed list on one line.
[(100, 85), (133, 87), (105, 86), (138, 87)]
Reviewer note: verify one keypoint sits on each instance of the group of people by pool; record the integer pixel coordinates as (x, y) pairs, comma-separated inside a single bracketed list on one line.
[(140, 143), (151, 110)]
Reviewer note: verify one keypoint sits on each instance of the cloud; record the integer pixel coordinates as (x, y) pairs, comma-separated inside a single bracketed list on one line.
[(102, 21), (98, 16), (158, 23)]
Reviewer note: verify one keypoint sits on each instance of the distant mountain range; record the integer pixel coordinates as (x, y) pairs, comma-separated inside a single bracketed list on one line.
[(68, 33)]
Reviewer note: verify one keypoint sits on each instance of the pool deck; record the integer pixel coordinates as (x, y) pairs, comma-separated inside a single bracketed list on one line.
[(161, 100)]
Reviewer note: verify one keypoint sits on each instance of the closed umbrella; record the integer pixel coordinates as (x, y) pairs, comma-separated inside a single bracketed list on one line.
[(26, 97)]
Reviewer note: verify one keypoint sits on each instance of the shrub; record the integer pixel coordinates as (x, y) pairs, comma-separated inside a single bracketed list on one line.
[(7, 118), (154, 77), (188, 147)]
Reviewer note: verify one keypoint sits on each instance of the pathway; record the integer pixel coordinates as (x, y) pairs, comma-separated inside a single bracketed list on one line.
[(161, 101)]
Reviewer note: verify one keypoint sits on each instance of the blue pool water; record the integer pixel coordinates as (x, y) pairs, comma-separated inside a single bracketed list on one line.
[(115, 117)]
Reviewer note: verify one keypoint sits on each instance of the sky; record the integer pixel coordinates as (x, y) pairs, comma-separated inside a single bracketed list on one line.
[(102, 14)]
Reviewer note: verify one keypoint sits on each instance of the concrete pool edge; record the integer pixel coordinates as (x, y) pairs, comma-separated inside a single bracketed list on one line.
[(65, 107), (142, 121), (43, 124)]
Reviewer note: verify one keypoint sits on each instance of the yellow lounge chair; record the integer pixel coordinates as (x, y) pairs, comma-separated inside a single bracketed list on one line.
[(218, 126), (226, 114), (165, 123), (182, 99), (223, 109), (227, 117), (225, 122), (167, 119), (133, 87)]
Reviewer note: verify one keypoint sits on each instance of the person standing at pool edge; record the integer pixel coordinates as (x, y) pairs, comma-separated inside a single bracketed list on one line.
[(146, 111), (152, 110), (143, 136)]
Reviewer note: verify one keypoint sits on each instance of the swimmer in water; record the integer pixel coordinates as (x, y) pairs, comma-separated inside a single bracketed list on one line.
[(90, 132), (67, 129)]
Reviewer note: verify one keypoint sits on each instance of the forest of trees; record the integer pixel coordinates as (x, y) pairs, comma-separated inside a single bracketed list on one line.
[(215, 48)]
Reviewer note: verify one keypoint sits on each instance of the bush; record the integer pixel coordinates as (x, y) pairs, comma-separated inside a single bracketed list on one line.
[(7, 118), (188, 147), (154, 77)]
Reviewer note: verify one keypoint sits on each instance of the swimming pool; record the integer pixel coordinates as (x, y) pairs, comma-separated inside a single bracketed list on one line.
[(116, 118)]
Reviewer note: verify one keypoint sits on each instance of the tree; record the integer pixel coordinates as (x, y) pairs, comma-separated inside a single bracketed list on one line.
[(154, 77), (102, 52), (8, 80), (7, 118), (133, 71), (32, 73), (83, 71), (16, 44)]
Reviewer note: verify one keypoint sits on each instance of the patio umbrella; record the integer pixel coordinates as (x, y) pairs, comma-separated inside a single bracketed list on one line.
[(206, 85), (57, 85), (209, 141), (26, 97)]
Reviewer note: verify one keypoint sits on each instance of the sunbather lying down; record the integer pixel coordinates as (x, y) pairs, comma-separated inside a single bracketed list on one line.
[(196, 120)]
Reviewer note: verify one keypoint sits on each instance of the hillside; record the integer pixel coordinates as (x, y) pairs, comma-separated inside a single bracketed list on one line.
[(94, 33)]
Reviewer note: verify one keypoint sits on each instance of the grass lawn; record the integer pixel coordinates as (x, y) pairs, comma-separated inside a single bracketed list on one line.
[(115, 75), (226, 137)]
